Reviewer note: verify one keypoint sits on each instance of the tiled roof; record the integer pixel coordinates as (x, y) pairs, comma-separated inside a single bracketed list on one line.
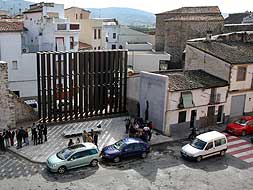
[(225, 52), (84, 46), (11, 26), (34, 10), (236, 18), (193, 79), (194, 10)]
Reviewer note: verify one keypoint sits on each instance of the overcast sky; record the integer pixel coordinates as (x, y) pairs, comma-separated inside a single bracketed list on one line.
[(156, 6)]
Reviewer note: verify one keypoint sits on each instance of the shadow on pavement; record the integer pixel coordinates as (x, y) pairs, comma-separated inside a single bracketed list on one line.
[(70, 175)]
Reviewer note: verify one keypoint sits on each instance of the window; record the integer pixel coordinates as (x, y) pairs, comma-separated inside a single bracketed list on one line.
[(98, 47), (95, 34), (182, 117), (71, 42), (95, 48), (209, 146), (220, 142), (114, 35), (99, 34), (17, 93), (76, 16), (93, 151), (74, 26), (59, 44), (61, 26), (186, 100), (163, 65), (81, 16), (113, 46), (241, 73), (14, 65)]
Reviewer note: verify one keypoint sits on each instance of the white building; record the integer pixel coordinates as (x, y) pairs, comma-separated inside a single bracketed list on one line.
[(48, 29), (141, 57), (227, 56), (111, 34), (178, 100)]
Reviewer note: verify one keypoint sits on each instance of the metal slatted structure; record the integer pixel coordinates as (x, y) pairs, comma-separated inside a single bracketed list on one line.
[(79, 85)]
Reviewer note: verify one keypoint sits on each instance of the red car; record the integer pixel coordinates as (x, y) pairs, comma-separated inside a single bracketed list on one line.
[(243, 126)]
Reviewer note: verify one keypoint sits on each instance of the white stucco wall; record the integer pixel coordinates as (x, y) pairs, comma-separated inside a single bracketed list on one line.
[(153, 88), (108, 31), (145, 61), (133, 85), (201, 100), (196, 59), (240, 85)]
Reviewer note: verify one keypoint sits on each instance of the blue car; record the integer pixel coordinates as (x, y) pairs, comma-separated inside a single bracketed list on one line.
[(128, 147)]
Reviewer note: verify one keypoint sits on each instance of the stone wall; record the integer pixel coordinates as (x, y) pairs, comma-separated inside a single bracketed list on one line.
[(13, 110), (7, 115), (173, 29)]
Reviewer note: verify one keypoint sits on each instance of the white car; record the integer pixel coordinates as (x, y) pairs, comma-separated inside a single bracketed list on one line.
[(205, 145)]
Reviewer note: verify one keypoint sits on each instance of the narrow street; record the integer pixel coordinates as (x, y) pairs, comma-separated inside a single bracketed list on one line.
[(163, 169)]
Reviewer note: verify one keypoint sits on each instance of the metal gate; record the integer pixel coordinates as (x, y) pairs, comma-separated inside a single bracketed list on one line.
[(237, 105), (79, 85)]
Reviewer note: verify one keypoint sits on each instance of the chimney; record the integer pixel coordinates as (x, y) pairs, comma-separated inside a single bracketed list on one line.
[(209, 36)]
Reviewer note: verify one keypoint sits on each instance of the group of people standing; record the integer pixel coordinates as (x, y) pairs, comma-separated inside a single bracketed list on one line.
[(91, 136), (39, 133), (7, 138), (139, 128)]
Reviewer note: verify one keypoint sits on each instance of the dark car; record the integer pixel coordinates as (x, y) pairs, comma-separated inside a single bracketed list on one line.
[(127, 147)]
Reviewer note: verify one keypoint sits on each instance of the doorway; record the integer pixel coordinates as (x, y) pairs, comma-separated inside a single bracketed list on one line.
[(211, 116), (193, 118), (220, 114)]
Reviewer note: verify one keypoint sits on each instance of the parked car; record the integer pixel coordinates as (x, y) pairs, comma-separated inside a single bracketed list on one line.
[(205, 145), (242, 126), (72, 157), (127, 147), (33, 104)]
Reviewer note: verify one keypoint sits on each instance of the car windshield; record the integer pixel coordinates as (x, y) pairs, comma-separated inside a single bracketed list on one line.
[(199, 144), (64, 154), (119, 145), (241, 122)]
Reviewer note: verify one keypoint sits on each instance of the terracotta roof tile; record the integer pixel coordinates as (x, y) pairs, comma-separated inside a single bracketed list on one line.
[(11, 26)]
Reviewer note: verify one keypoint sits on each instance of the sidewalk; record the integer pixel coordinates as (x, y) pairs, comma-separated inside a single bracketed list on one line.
[(112, 130)]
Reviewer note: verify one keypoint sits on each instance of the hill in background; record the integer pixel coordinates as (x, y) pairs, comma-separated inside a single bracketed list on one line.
[(125, 16)]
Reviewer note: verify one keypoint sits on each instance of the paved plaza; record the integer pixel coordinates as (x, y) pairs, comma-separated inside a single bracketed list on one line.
[(112, 130)]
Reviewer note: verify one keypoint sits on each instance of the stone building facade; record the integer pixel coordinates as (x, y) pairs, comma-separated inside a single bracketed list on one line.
[(13, 110), (174, 28)]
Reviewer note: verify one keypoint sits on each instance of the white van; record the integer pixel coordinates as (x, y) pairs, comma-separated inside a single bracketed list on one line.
[(205, 145)]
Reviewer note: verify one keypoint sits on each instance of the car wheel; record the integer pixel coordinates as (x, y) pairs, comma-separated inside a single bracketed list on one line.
[(116, 159), (199, 158), (222, 153), (94, 163), (243, 133), (144, 155), (62, 170)]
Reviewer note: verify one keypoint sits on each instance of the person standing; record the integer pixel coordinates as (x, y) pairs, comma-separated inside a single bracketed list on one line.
[(19, 138), (84, 136), (95, 138), (26, 137), (35, 137), (40, 134), (2, 147), (33, 128), (45, 132), (127, 125), (6, 138), (12, 135)]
